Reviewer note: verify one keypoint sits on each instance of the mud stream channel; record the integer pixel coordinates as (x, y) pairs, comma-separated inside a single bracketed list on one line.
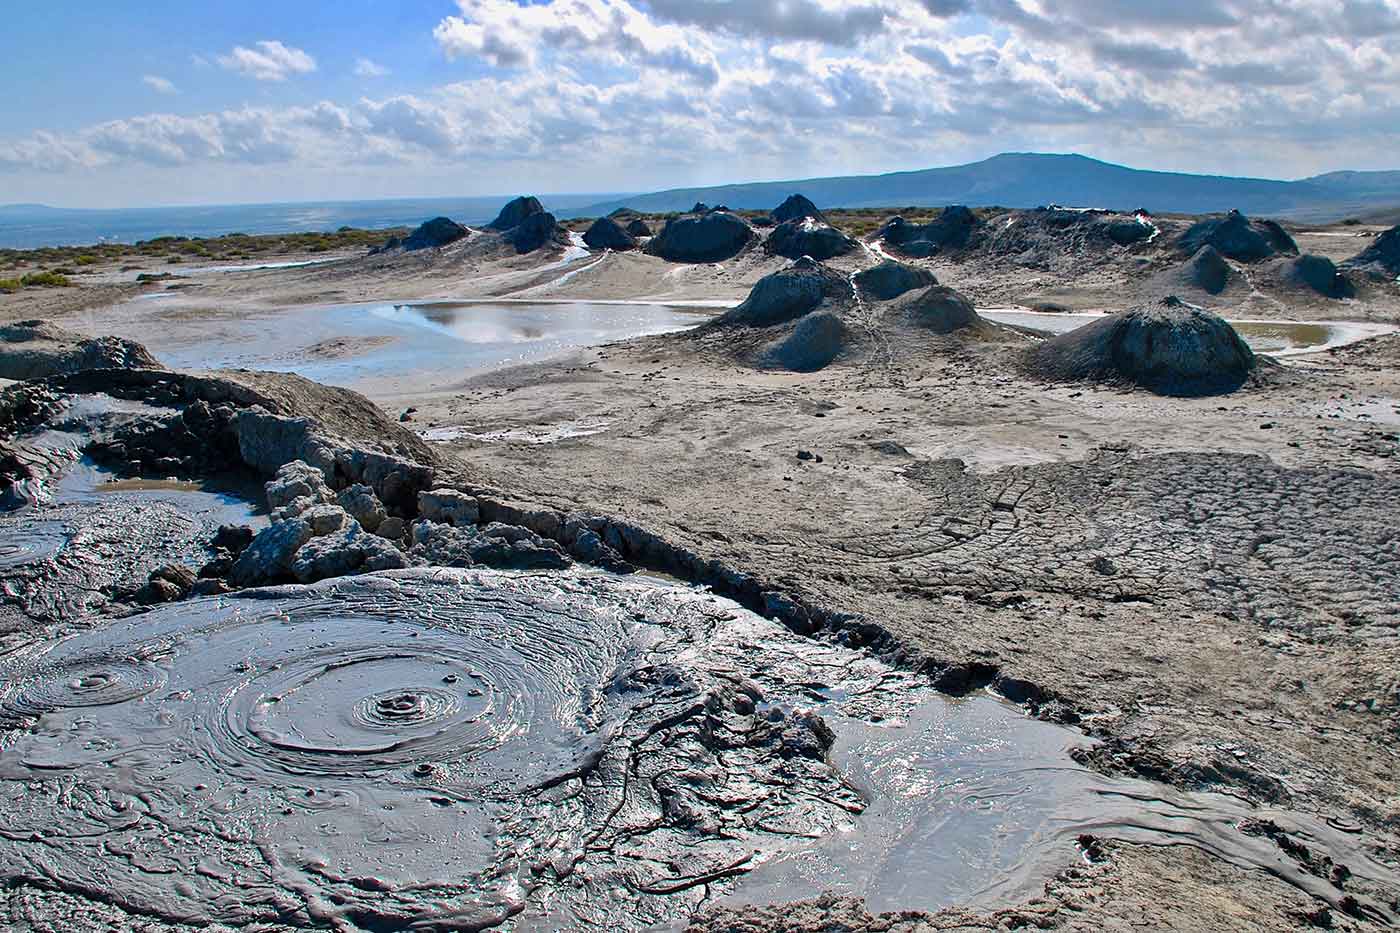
[(465, 749)]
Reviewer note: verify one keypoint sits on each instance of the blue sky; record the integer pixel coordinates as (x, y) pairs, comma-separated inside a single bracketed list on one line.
[(159, 102)]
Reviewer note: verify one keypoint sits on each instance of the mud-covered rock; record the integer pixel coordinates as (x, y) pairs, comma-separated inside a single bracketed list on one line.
[(268, 559), (440, 231), (710, 237), (814, 342), (39, 349), (788, 294), (296, 487), (1236, 237), (449, 506), (504, 547), (1171, 348), (346, 551), (392, 528), (166, 584), (808, 236), (606, 233), (891, 278), (361, 504)]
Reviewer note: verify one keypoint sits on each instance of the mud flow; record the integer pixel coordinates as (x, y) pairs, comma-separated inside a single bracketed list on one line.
[(457, 749), (465, 749)]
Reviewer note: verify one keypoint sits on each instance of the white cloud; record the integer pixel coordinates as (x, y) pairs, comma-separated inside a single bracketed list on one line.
[(633, 93), (508, 35), (158, 84), (365, 68), (270, 61)]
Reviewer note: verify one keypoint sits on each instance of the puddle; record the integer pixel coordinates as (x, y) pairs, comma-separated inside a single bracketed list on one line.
[(468, 749), (1277, 338), (386, 347), (537, 434)]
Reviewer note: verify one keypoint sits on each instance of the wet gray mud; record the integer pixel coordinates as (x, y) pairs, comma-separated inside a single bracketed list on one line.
[(438, 749), (85, 537), (452, 749)]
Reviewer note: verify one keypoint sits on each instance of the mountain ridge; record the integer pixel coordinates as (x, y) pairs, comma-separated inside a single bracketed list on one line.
[(1025, 180)]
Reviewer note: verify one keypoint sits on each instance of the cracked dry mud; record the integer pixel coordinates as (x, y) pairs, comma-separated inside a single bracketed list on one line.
[(1209, 586)]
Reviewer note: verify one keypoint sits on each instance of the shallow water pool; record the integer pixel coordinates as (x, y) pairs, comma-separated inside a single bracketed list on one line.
[(389, 347)]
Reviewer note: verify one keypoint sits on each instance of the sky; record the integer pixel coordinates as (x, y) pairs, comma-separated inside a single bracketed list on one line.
[(158, 102)]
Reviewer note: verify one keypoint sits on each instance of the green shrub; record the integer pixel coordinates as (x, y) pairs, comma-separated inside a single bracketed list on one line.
[(46, 279), (10, 285), (86, 259)]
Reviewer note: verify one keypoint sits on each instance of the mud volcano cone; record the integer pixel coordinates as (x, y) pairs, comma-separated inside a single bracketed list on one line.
[(1171, 348), (939, 309), (816, 340)]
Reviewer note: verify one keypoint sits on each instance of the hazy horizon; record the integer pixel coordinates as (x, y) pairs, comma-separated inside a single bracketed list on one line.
[(179, 105)]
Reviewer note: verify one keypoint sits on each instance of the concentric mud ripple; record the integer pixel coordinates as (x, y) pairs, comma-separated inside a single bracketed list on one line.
[(40, 540), (356, 708), (79, 683), (444, 749)]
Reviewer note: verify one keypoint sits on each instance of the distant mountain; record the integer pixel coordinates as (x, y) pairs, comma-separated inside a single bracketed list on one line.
[(1033, 179)]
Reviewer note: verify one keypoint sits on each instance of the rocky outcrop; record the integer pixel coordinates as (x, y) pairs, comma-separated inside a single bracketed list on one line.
[(1321, 275), (1381, 258), (808, 236), (788, 294), (449, 507), (890, 279), (504, 547), (1171, 348), (40, 349), (536, 232), (438, 232), (951, 229), (796, 207), (814, 343), (1236, 237), (639, 228), (515, 213), (606, 233), (713, 236), (938, 309)]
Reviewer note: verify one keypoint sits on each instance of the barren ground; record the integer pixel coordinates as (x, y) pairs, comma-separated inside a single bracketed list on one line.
[(1210, 586)]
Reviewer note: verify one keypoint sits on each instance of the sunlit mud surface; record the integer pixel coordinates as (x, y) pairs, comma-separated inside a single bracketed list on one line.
[(463, 749), (86, 537)]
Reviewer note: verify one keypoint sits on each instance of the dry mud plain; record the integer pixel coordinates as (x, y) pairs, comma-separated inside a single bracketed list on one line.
[(994, 631)]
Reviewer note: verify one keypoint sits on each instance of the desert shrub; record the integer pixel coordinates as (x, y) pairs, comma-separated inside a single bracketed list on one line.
[(54, 279), (10, 285)]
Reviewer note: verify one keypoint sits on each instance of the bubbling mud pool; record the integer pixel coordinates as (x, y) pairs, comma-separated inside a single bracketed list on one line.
[(452, 749)]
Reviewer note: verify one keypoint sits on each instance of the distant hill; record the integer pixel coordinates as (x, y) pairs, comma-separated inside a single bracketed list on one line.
[(1033, 179)]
